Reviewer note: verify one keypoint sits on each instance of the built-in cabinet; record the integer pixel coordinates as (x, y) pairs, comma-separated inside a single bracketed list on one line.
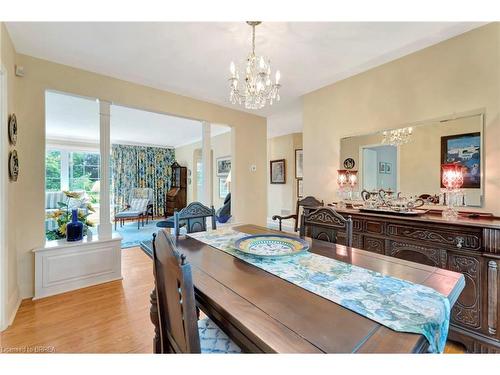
[(468, 246)]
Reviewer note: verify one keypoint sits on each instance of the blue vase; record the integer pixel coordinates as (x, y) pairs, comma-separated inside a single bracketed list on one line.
[(74, 229)]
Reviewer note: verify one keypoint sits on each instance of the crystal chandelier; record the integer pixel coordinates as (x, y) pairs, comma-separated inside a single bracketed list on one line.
[(256, 89), (397, 137)]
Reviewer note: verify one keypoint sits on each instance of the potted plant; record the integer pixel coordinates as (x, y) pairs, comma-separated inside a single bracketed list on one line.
[(63, 214)]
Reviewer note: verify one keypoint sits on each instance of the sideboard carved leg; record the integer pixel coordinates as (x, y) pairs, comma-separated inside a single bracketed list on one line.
[(153, 314)]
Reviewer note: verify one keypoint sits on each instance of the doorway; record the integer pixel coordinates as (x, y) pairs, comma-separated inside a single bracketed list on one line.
[(379, 167)]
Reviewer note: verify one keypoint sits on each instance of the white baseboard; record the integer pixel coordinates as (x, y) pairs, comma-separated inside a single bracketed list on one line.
[(13, 304)]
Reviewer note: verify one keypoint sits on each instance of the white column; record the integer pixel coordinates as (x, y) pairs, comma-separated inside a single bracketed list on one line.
[(207, 164), (105, 229)]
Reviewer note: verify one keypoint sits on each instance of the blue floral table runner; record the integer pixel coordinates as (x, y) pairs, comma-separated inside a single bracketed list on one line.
[(398, 304)]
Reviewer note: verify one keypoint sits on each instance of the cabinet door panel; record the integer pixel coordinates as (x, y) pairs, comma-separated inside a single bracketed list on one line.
[(466, 311)]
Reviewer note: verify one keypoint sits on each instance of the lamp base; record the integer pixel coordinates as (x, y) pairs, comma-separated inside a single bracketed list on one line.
[(450, 213)]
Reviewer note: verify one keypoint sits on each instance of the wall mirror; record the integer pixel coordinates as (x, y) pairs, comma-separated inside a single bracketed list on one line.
[(409, 159)]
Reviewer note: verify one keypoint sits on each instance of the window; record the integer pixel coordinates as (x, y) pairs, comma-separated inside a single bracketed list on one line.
[(53, 170), (68, 170)]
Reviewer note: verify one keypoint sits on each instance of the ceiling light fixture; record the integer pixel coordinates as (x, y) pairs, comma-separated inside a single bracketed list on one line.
[(397, 137), (257, 88)]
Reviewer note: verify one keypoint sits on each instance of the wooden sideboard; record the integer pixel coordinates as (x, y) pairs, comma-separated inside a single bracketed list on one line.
[(468, 245)]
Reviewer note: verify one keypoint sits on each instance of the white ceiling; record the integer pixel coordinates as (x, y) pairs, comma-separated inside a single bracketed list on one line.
[(192, 58), (77, 119)]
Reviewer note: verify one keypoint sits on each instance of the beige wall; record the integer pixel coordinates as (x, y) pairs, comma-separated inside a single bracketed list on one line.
[(221, 146), (420, 159), (281, 198), (7, 59), (458, 75), (248, 139)]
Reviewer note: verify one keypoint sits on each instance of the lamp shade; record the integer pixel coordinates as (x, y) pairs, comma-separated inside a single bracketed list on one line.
[(341, 177), (452, 175), (228, 179), (352, 177)]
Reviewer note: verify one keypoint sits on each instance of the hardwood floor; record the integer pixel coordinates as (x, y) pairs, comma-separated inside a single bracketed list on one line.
[(107, 318)]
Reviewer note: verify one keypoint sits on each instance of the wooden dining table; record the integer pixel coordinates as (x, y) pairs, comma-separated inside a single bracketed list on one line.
[(263, 313)]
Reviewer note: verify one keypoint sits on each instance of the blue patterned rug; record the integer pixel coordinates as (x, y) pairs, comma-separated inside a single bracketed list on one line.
[(132, 237)]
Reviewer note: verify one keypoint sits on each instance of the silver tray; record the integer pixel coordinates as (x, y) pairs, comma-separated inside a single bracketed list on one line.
[(388, 211)]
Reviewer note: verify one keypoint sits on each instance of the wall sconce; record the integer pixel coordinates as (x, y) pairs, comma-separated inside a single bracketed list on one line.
[(452, 179)]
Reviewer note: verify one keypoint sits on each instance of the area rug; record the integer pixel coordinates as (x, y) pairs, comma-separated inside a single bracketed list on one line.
[(132, 237)]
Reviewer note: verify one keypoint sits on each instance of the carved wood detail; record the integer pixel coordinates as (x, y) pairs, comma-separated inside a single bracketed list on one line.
[(437, 257), (376, 245), (467, 309), (153, 315), (492, 296), (322, 216), (491, 240), (453, 239)]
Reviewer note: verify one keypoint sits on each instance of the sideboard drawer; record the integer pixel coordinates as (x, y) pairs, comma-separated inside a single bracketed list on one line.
[(466, 239), (374, 226)]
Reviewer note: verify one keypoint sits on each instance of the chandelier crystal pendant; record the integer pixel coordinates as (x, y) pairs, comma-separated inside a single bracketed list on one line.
[(397, 137), (256, 89)]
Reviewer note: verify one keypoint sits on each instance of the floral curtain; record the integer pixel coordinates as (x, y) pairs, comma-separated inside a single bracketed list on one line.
[(141, 167)]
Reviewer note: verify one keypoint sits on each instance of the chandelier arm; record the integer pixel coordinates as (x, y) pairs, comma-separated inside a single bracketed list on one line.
[(253, 40)]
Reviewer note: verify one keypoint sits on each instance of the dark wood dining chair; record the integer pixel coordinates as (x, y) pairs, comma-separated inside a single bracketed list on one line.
[(194, 218), (303, 204), (324, 224), (180, 329)]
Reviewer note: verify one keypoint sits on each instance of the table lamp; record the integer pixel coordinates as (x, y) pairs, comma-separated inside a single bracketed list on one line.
[(452, 179)]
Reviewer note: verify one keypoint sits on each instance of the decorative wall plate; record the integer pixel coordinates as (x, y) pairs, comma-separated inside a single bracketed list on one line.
[(13, 165), (271, 245), (12, 129)]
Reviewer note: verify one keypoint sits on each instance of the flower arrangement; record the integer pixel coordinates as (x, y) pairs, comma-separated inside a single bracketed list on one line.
[(63, 216)]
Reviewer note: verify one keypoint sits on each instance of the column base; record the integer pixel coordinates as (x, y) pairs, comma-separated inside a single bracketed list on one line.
[(105, 231)]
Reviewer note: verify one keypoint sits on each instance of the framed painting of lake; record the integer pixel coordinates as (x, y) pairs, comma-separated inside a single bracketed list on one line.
[(464, 149)]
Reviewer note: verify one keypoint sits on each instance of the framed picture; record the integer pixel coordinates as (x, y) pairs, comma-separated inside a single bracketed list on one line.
[(278, 171), (300, 188), (388, 168), (12, 129), (223, 166), (223, 188), (464, 149), (381, 167), (299, 163)]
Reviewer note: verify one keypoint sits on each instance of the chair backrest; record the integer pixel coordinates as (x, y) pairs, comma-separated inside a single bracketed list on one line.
[(141, 193), (324, 224), (194, 216), (178, 320), (308, 201)]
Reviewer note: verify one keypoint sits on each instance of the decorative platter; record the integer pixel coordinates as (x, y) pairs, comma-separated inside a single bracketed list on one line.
[(388, 211), (271, 245), (12, 129)]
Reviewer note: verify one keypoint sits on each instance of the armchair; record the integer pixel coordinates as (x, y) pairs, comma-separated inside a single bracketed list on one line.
[(139, 206), (304, 203)]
